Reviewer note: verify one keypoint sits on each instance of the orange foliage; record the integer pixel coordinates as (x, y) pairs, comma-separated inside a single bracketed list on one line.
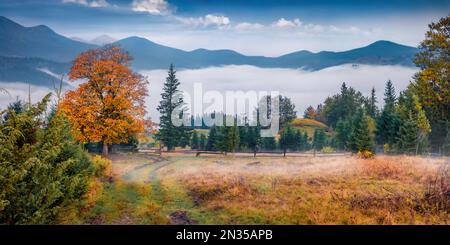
[(109, 107)]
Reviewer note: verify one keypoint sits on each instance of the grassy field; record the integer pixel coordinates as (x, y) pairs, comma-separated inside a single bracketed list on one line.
[(184, 189)]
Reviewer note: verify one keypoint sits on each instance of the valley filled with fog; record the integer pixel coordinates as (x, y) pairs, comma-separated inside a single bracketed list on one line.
[(303, 87)]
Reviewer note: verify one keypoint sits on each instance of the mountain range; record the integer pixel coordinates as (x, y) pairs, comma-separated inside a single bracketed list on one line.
[(35, 54)]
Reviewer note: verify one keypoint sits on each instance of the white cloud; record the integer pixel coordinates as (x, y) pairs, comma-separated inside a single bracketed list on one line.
[(245, 26), (207, 20), (314, 28), (92, 4), (99, 4), (283, 23), (154, 7)]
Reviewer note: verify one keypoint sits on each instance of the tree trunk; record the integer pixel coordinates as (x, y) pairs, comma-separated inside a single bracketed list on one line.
[(254, 152), (105, 149), (284, 152)]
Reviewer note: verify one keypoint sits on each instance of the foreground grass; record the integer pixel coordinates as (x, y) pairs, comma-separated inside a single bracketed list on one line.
[(181, 189)]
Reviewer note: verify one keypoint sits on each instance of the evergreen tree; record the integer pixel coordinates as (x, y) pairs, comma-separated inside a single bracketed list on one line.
[(245, 135), (185, 140), (228, 138), (202, 142), (410, 109), (343, 130), (212, 139), (305, 142), (17, 107), (407, 136), (287, 111), (319, 139), (389, 121), (269, 143), (298, 141), (254, 139), (361, 137), (341, 106), (195, 142), (287, 139), (170, 134), (390, 98), (43, 169), (372, 109)]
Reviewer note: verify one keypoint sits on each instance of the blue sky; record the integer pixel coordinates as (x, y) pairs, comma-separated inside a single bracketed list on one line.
[(252, 27)]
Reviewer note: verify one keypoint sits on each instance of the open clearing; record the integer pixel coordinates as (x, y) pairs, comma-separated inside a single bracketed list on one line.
[(184, 189)]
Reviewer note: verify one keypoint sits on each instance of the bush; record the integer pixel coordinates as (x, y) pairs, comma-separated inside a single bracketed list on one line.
[(365, 154), (328, 149), (102, 167), (43, 169)]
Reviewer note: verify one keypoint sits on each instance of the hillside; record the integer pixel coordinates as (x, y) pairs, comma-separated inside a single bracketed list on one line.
[(308, 125), (42, 42), (37, 41)]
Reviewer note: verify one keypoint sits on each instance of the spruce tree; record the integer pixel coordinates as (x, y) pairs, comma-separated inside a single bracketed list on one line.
[(389, 121), (407, 136), (343, 130), (195, 142), (269, 143), (287, 139), (372, 109), (228, 138), (390, 98), (168, 133), (202, 144), (305, 142), (319, 139), (298, 140), (212, 139), (361, 138), (254, 139)]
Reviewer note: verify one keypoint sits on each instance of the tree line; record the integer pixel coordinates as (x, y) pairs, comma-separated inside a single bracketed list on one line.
[(415, 122)]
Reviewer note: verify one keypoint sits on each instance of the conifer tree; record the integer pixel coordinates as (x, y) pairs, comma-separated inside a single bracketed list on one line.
[(228, 138), (372, 109), (305, 142), (343, 130), (168, 133), (407, 136), (361, 137), (319, 139), (212, 139), (202, 142), (287, 139), (195, 142), (254, 139), (389, 121), (43, 169), (269, 143)]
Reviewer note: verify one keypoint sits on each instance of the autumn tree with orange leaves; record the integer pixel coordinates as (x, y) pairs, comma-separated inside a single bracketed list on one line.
[(109, 106)]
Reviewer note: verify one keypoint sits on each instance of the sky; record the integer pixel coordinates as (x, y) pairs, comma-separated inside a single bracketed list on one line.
[(252, 27)]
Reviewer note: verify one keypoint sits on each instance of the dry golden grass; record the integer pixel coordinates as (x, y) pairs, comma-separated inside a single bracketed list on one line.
[(335, 190), (269, 190)]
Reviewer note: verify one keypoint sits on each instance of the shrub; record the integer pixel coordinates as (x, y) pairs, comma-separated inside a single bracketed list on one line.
[(43, 169), (365, 154), (328, 149), (102, 167)]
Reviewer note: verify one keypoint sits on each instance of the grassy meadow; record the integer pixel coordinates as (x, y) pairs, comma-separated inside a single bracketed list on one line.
[(183, 189)]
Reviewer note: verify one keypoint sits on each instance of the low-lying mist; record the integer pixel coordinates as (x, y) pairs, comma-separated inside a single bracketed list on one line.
[(303, 87)]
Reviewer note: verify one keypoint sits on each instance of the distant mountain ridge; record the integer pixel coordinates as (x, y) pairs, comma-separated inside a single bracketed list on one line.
[(30, 49)]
